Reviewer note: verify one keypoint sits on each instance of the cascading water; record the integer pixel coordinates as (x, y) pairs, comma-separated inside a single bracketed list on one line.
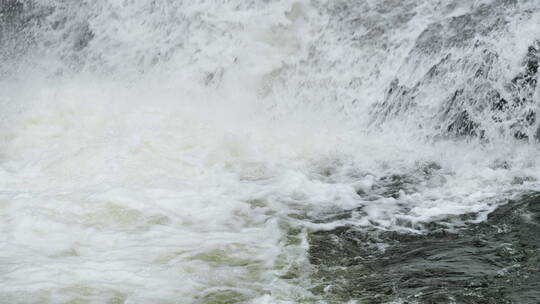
[(269, 151)]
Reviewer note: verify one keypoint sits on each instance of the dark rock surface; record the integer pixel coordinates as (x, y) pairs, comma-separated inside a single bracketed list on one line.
[(456, 82)]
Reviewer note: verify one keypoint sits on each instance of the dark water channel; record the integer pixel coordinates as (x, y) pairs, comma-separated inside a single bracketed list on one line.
[(497, 261)]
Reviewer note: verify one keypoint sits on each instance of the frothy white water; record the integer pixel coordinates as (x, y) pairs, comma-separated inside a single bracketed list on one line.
[(196, 179), (127, 194)]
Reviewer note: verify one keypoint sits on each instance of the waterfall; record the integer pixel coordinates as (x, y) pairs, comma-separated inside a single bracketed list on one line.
[(267, 151)]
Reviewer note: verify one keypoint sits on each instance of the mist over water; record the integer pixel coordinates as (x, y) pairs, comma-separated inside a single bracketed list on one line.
[(269, 151)]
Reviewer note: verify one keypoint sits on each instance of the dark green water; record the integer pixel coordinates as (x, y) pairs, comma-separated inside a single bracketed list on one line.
[(497, 261)]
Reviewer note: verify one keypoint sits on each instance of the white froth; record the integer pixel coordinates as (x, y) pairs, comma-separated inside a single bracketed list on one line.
[(196, 179)]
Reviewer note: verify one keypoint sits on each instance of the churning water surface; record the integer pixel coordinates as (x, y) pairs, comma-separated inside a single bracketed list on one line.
[(269, 151)]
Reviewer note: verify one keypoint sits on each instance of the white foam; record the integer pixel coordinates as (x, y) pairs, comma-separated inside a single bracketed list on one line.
[(174, 186)]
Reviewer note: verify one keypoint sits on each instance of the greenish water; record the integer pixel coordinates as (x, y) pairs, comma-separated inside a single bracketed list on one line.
[(497, 261)]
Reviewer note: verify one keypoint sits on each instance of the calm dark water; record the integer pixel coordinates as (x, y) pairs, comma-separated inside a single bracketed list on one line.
[(497, 261)]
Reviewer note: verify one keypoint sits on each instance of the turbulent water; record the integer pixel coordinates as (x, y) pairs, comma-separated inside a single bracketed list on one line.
[(269, 151)]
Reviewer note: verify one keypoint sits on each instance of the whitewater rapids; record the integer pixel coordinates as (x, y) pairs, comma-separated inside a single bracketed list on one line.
[(183, 152)]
